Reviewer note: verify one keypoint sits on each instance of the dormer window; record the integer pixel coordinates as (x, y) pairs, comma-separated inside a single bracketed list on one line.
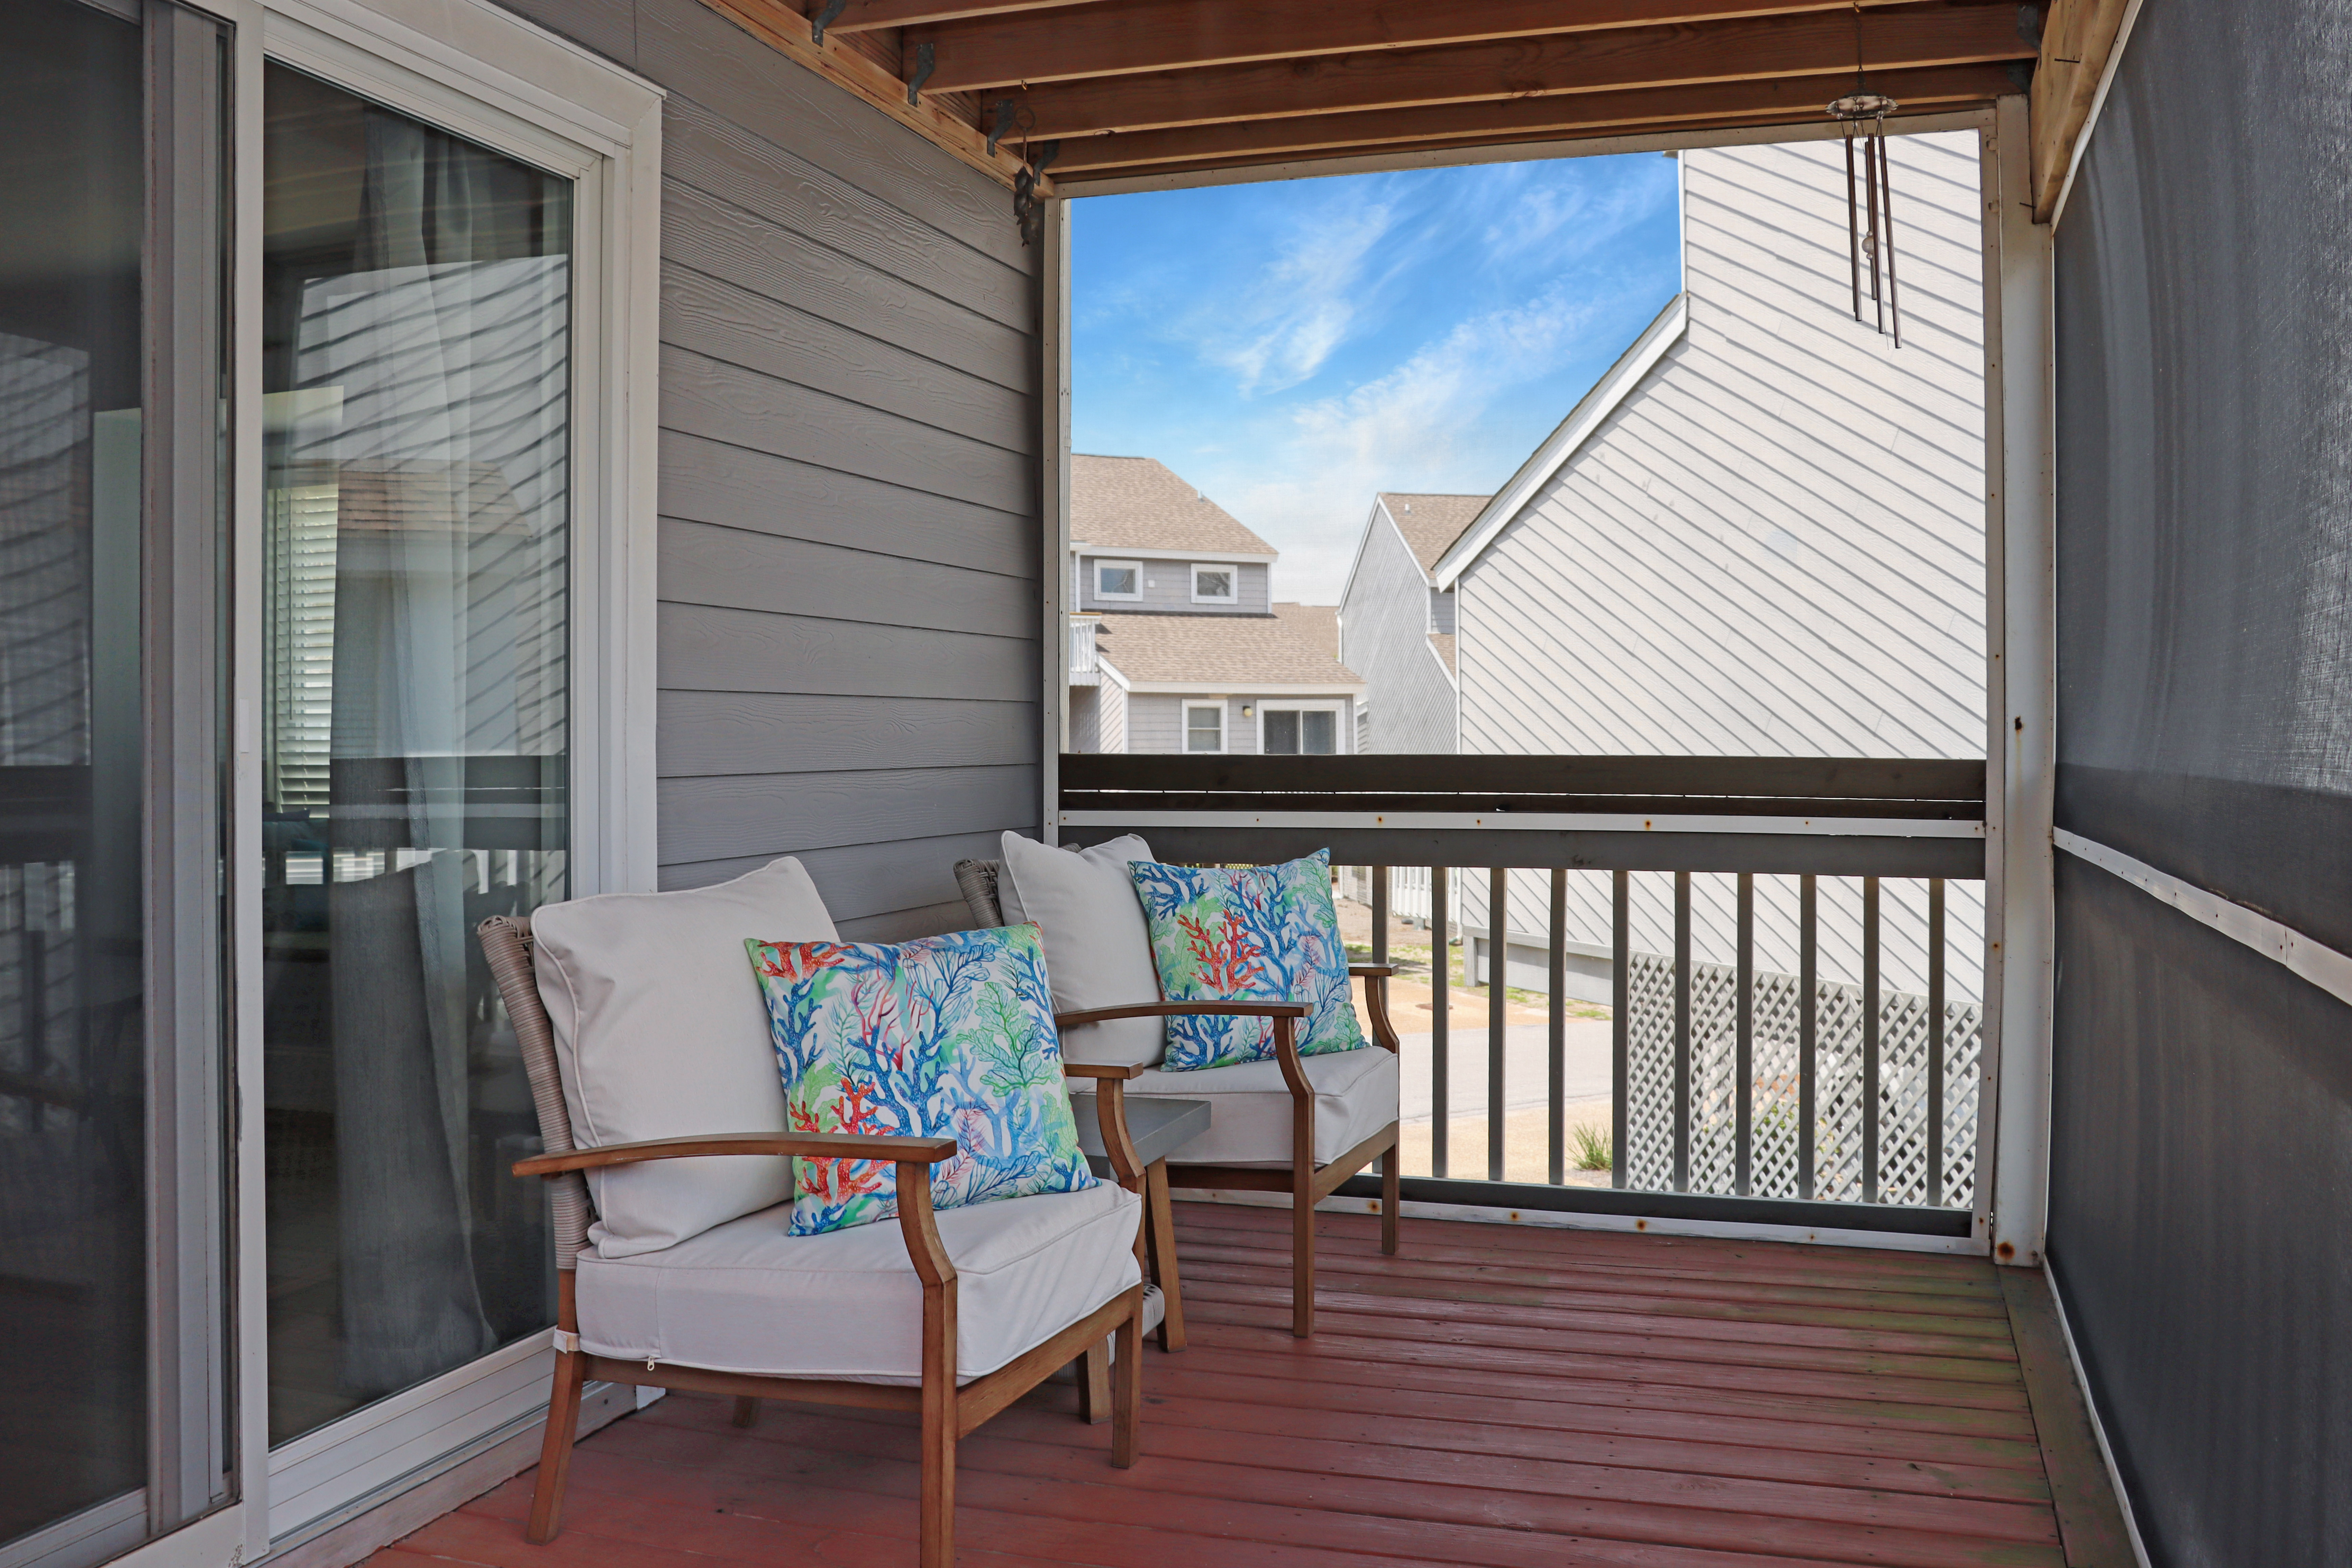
[(1119, 579), (1214, 584)]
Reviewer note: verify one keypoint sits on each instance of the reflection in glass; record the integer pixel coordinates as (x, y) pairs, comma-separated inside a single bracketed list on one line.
[(417, 341), (73, 1290)]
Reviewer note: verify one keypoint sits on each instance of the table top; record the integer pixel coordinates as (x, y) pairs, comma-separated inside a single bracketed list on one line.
[(1159, 1125)]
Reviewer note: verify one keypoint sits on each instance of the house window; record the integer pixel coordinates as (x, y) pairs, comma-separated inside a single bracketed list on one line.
[(1214, 585), (1204, 726), (1119, 579), (1295, 731)]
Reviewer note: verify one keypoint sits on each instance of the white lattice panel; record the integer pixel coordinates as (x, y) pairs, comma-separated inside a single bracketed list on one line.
[(1649, 1155), (1963, 1095), (1715, 1075), (1837, 1095), (1903, 1098), (1772, 1164)]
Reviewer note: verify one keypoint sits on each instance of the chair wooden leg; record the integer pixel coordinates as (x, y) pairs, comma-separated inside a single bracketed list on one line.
[(1391, 1168), (555, 1448), (747, 1410), (1093, 1384), (1126, 1394), (942, 1418), (1302, 1253), (1162, 1232)]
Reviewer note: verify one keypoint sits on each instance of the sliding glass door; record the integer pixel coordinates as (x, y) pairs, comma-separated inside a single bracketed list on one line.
[(416, 710), (113, 1278)]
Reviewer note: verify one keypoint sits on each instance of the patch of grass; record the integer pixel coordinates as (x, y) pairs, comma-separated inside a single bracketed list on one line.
[(1589, 1147)]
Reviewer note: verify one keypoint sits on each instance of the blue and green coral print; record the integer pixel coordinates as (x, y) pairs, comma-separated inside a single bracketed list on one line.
[(1266, 933), (949, 1036)]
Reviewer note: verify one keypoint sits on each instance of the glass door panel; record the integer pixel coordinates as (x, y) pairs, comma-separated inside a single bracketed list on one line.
[(417, 435)]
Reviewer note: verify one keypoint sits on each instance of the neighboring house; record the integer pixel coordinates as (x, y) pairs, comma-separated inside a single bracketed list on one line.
[(1177, 645), (1396, 622), (1761, 533)]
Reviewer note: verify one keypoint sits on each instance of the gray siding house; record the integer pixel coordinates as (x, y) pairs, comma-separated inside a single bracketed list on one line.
[(1397, 623), (1761, 533), (1176, 643)]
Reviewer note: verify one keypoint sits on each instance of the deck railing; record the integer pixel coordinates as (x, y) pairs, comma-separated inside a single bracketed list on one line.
[(1785, 1043), (1084, 668)]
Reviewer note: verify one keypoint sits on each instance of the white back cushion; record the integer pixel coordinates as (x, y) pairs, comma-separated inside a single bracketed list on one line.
[(1097, 949), (661, 1033)]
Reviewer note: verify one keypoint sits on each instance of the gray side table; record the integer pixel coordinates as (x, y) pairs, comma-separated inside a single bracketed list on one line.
[(1159, 1127)]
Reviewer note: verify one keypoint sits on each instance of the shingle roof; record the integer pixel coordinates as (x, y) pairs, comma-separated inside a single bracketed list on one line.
[(1138, 503), (1429, 523), (1224, 653), (1444, 642), (1320, 624)]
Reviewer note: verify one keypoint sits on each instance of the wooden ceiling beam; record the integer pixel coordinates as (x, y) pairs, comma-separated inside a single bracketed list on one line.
[(1896, 38), (866, 16), (2076, 43), (1130, 37), (1781, 101)]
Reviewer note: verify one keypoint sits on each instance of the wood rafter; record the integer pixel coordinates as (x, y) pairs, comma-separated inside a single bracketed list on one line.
[(1710, 106), (867, 16), (1130, 37), (2076, 43), (1906, 38)]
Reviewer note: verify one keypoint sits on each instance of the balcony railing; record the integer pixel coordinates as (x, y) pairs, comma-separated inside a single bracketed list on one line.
[(1084, 668), (1790, 949)]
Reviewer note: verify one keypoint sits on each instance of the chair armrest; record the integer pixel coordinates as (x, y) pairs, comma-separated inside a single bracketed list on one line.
[(1121, 1071), (812, 1145), (1372, 970), (1376, 978), (1182, 1010)]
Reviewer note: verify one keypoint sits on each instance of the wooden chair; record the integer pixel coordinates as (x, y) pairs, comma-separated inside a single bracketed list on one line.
[(1106, 1341), (1256, 1152)]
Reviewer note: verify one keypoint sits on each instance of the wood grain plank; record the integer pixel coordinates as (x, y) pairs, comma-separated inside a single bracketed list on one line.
[(722, 321), (789, 814), (2078, 39), (704, 396), (705, 564), (704, 150), (711, 733), (704, 481), (2089, 1517), (704, 648)]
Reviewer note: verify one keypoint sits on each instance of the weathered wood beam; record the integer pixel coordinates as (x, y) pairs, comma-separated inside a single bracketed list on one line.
[(1130, 37), (865, 15), (2076, 43), (1906, 38), (785, 30), (1775, 101)]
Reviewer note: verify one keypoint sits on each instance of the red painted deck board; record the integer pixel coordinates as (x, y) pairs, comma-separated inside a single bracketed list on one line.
[(1496, 1395)]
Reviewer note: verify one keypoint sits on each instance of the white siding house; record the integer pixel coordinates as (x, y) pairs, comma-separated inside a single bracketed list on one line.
[(1397, 625), (1762, 534)]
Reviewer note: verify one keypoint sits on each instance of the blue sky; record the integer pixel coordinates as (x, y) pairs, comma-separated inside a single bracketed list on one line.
[(1292, 348)]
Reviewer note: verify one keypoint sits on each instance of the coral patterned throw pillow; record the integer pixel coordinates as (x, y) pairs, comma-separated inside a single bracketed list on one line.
[(1267, 933), (949, 1036)]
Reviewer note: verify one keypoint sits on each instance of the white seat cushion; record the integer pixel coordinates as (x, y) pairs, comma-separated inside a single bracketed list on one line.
[(846, 1305), (1097, 949), (1356, 1095), (661, 1032)]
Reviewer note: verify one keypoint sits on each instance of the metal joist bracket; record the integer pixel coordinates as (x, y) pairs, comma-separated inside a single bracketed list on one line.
[(926, 62), (1006, 111), (824, 16)]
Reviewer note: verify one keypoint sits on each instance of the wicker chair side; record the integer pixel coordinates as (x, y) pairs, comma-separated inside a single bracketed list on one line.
[(505, 942), (978, 879)]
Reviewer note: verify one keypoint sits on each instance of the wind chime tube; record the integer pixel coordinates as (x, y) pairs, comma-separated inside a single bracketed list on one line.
[(1872, 150), (1852, 224), (1887, 203)]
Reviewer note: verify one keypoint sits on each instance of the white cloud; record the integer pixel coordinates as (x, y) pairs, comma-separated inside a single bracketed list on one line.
[(1275, 328)]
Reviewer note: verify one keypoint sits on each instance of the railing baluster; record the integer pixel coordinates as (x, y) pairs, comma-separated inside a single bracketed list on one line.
[(1499, 971), (1935, 1042), (1682, 1031), (1557, 975), (1870, 1010), (1808, 1025), (1621, 952), (1744, 1048), (1380, 914), (1441, 928)]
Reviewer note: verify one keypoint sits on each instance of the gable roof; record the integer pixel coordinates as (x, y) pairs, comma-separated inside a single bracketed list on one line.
[(1140, 503), (1221, 653), (1592, 411), (1431, 522), (1318, 624)]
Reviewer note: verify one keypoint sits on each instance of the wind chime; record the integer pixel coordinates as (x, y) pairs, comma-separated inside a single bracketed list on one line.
[(1869, 192)]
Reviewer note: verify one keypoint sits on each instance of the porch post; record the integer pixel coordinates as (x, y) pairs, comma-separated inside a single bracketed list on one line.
[(2022, 627), (1053, 507)]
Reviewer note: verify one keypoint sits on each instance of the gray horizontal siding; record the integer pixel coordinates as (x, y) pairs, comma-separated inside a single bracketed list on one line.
[(1168, 588), (848, 632), (1384, 637)]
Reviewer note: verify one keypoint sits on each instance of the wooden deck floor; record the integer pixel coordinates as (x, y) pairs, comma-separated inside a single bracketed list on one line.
[(1495, 1394)]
